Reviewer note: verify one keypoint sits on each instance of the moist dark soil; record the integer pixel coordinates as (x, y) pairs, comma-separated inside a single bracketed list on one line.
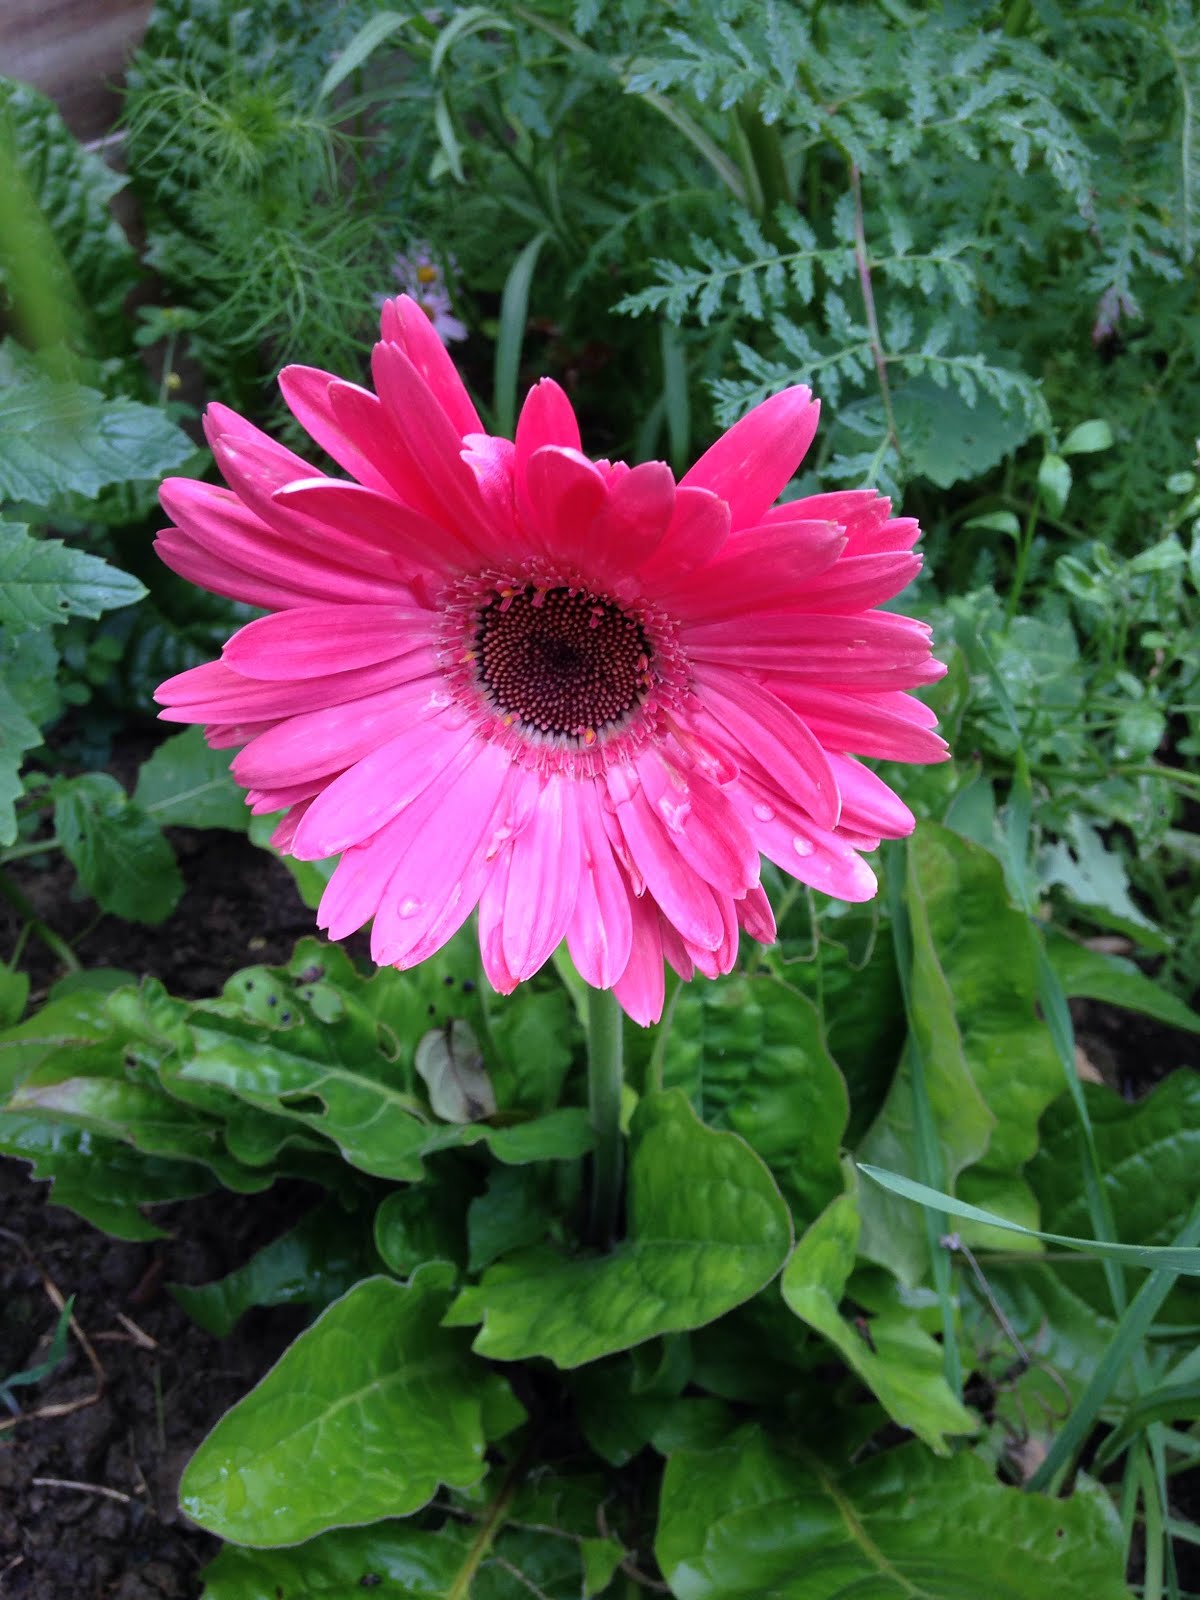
[(88, 1477)]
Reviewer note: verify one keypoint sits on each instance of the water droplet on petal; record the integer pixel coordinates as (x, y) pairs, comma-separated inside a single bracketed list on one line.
[(675, 812), (409, 908), (802, 847), (764, 812)]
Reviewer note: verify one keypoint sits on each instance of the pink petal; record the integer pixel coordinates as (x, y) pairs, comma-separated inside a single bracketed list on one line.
[(285, 831), (857, 583), (703, 823), (698, 528), (399, 535), (215, 527), (600, 933), (214, 693), (686, 901), (364, 418), (749, 464), (891, 726), (631, 525), (312, 641), (869, 807), (816, 856), (306, 390), (492, 461), (771, 565), (263, 802), (565, 492), (866, 516), (491, 925), (755, 916), (543, 879), (319, 743), (423, 347), (875, 650), (430, 445), (641, 988), (775, 739), (377, 788), (433, 889)]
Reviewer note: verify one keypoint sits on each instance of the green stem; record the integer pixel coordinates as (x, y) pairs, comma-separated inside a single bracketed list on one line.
[(1024, 550), (605, 1039), (37, 927)]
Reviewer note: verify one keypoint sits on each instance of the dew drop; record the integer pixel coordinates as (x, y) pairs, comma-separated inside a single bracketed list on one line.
[(675, 813), (802, 847), (764, 812), (409, 908)]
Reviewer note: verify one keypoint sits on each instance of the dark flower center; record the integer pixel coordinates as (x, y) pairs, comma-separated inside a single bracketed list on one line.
[(563, 663)]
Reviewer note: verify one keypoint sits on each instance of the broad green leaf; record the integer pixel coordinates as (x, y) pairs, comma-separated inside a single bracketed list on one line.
[(989, 1064), (1184, 1259), (120, 854), (707, 1229), (902, 1365), (1148, 1154), (319, 1045), (511, 1214), (71, 1033), (363, 1416), (1054, 480), (14, 992), (1091, 975), (419, 1223), (43, 581), (754, 1521), (62, 438), (393, 1559), (751, 1056), (101, 1180), (318, 1260), (185, 784)]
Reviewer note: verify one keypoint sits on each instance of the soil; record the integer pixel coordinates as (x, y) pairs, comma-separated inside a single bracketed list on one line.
[(88, 1481)]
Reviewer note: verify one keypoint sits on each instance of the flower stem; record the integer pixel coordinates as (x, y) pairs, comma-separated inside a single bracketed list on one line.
[(605, 1041)]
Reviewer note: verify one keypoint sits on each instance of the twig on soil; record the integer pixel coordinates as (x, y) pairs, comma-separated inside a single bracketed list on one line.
[(83, 1488), (132, 1335)]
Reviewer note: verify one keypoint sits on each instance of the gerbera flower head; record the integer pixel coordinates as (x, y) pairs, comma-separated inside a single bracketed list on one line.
[(576, 695)]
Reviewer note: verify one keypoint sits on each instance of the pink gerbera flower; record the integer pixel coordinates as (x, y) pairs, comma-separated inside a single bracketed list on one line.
[(577, 695)]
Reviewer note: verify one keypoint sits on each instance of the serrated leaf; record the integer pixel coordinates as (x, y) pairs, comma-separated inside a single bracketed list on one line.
[(364, 1416), (120, 854), (63, 438), (946, 440), (751, 1055), (755, 1522), (44, 581), (707, 1229), (897, 1360), (17, 735), (185, 784), (1096, 879)]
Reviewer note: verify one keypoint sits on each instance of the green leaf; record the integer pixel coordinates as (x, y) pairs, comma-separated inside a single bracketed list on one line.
[(947, 441), (62, 438), (361, 47), (989, 1063), (364, 1416), (1054, 480), (314, 1263), (1153, 1257), (996, 522), (71, 187), (707, 1230), (419, 1224), (511, 1214), (1095, 878), (1093, 975), (601, 1558), (14, 992), (1087, 437), (185, 784), (120, 854), (755, 1522), (44, 581), (514, 309), (56, 1352), (101, 1180), (902, 1365), (751, 1055), (17, 735), (392, 1560)]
